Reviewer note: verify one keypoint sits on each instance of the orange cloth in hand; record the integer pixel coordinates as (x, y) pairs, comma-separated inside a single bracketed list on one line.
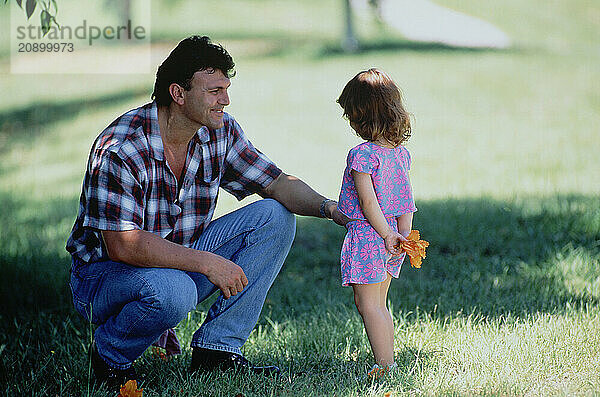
[(414, 248)]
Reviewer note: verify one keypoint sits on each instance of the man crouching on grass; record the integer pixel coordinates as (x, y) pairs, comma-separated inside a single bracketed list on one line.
[(145, 250)]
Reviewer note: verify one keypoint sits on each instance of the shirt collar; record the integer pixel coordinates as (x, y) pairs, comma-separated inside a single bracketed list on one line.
[(203, 135), (152, 130)]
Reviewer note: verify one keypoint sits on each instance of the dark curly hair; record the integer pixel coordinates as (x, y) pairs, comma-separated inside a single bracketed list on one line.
[(373, 104), (192, 54)]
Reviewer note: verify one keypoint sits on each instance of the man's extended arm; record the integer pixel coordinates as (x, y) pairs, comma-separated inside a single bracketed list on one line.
[(144, 249), (301, 199)]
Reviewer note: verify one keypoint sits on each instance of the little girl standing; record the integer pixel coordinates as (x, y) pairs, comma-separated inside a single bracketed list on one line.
[(376, 195)]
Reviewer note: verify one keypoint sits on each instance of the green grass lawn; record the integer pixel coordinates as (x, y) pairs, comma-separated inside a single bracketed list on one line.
[(505, 173)]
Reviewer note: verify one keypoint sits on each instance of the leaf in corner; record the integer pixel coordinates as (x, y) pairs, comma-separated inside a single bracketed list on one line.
[(30, 7), (45, 20), (18, 3)]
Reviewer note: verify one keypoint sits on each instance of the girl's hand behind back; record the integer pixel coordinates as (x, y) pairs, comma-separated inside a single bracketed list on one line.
[(392, 240)]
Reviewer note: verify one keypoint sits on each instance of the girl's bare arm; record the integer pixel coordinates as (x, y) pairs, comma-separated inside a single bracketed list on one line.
[(370, 208), (405, 223)]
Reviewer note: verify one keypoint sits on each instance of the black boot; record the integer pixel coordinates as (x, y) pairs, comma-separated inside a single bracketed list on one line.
[(208, 360), (113, 377)]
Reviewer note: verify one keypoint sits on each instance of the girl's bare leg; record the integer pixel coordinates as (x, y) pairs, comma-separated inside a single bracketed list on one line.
[(383, 302), (376, 319)]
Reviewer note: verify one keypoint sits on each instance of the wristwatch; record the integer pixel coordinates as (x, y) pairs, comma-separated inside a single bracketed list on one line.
[(322, 208)]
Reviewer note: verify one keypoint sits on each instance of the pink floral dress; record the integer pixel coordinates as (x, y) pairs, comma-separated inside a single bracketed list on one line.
[(364, 258)]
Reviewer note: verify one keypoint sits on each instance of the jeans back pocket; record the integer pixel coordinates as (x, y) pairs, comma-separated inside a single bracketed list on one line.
[(83, 285)]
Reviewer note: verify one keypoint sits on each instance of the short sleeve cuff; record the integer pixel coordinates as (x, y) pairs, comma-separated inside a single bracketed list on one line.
[(360, 161), (110, 225), (240, 190)]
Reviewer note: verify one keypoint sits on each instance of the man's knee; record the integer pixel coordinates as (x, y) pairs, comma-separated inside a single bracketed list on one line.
[(174, 297), (280, 220)]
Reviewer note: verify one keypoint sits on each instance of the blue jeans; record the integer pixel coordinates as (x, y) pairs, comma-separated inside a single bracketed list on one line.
[(133, 306)]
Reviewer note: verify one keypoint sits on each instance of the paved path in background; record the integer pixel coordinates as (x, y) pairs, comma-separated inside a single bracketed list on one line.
[(425, 21)]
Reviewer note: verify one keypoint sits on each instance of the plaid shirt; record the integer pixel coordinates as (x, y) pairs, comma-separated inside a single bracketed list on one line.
[(128, 184)]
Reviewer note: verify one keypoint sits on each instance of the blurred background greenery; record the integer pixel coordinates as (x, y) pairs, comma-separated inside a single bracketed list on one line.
[(505, 172)]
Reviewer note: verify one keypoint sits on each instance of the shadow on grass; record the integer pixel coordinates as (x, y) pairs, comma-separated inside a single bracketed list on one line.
[(278, 44), (489, 257), (250, 45), (493, 256), (486, 256), (24, 124), (34, 263), (401, 45)]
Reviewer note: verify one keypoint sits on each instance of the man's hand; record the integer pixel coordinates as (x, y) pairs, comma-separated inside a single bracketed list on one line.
[(335, 214), (227, 276), (145, 249), (301, 199)]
